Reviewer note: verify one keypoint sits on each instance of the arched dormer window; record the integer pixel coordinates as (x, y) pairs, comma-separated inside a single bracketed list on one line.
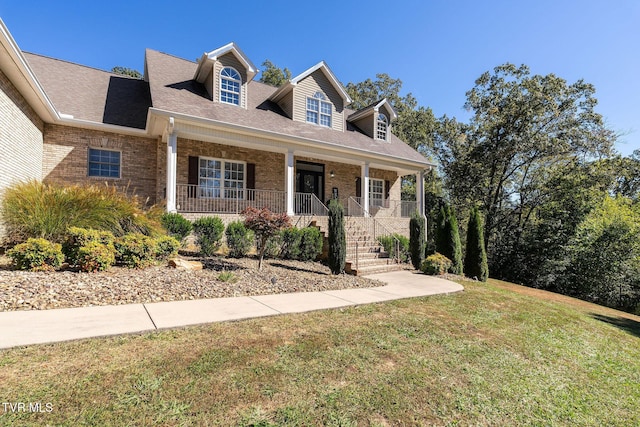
[(381, 127), (319, 110), (230, 86)]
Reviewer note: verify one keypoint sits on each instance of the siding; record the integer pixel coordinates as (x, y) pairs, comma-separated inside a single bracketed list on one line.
[(229, 60), (20, 137), (307, 88), (286, 104), (366, 124)]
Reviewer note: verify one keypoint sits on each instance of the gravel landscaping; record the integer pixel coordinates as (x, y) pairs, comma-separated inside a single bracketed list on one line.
[(220, 277)]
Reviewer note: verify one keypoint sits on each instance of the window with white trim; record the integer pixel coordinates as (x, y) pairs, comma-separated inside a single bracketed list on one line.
[(230, 86), (319, 110), (376, 192), (104, 163), (221, 178), (381, 127)]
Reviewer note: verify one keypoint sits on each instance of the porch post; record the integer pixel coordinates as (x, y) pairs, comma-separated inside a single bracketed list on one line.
[(289, 182), (172, 166), (420, 192), (365, 188)]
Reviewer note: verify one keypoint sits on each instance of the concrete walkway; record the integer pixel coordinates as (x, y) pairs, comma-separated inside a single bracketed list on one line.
[(18, 328)]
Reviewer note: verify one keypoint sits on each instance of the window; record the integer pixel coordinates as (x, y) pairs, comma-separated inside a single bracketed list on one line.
[(104, 163), (381, 127), (376, 192), (319, 110), (230, 83), (221, 178)]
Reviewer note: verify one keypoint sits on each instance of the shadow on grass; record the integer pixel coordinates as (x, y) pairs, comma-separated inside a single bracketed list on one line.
[(627, 325)]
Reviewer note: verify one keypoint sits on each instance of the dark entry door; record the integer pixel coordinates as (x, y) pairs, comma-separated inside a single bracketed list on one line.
[(309, 180)]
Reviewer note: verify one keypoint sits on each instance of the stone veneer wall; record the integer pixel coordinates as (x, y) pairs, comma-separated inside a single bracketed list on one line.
[(65, 159)]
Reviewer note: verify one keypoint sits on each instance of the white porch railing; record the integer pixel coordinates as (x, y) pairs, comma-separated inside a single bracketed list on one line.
[(193, 198), (381, 208)]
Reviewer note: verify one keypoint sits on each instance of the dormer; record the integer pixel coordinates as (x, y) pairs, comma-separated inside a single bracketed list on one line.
[(315, 97), (225, 72), (375, 120)]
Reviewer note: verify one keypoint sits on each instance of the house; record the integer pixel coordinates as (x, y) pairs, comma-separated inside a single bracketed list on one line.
[(206, 137)]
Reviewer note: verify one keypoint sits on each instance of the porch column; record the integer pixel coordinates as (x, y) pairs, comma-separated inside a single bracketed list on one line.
[(172, 166), (420, 192), (288, 183), (365, 188)]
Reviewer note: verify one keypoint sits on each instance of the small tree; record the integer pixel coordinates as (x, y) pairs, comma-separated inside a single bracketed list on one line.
[(448, 238), (475, 260), (337, 238), (264, 224), (417, 242)]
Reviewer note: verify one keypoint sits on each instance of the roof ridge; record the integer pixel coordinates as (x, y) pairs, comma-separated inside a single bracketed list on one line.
[(171, 55)]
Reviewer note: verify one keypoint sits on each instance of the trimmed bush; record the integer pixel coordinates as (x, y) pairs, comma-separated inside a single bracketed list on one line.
[(239, 239), (95, 256), (166, 247), (208, 231), (34, 209), (291, 238), (135, 250), (78, 237), (475, 260), (37, 255), (337, 238), (176, 225), (436, 264), (417, 242), (310, 243), (448, 238), (389, 244), (273, 246)]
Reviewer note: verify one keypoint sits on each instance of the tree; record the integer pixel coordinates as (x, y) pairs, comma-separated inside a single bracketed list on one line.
[(475, 260), (273, 75), (417, 242), (264, 224), (448, 238), (337, 238), (124, 71)]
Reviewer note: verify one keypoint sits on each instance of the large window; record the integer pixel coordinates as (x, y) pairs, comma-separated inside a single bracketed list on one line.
[(319, 110), (104, 163), (376, 192), (230, 84), (221, 178), (381, 128)]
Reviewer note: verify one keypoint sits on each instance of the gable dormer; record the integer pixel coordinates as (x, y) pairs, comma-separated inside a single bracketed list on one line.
[(315, 97), (226, 72), (375, 120)]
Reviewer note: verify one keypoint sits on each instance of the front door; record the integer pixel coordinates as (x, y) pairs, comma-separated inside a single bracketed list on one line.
[(309, 180)]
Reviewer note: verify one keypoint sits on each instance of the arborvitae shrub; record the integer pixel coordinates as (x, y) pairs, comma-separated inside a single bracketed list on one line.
[(417, 243), (208, 231), (475, 261), (436, 264), (291, 238), (448, 238), (36, 255), (239, 239), (95, 256), (176, 225), (337, 238), (310, 243), (135, 250)]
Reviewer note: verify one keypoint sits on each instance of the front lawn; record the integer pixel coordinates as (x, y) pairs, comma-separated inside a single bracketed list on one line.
[(494, 354)]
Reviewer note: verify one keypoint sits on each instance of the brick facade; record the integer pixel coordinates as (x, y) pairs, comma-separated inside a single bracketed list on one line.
[(65, 159)]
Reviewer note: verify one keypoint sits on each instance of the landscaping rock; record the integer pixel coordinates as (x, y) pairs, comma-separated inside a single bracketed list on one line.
[(185, 264)]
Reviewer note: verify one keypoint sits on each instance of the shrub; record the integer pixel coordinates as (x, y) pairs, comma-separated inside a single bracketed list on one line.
[(337, 238), (208, 231), (273, 246), (135, 250), (37, 255), (448, 238), (176, 225), (78, 237), (310, 243), (436, 264), (227, 277), (239, 239), (291, 238), (95, 256), (34, 209), (166, 247), (417, 244), (475, 260), (265, 224), (389, 244)]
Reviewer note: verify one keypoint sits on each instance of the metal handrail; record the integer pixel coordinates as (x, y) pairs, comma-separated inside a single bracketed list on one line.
[(309, 204), (194, 198)]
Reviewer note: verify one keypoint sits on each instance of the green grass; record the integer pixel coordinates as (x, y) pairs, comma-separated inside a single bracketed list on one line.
[(496, 354)]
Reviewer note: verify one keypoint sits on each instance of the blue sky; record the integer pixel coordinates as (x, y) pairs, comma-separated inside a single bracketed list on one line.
[(436, 47)]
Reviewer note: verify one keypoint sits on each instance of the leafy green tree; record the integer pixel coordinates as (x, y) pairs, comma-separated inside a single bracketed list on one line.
[(129, 72), (337, 238), (475, 260), (273, 75), (448, 238)]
